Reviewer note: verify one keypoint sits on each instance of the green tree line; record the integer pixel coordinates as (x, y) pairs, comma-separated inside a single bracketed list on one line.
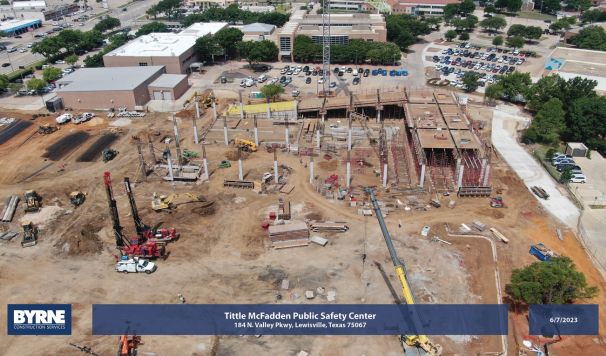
[(376, 52), (233, 14)]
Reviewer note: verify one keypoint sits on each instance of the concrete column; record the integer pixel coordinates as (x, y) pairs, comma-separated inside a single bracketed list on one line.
[(287, 135), (256, 132), (225, 132), (311, 169), (323, 117), (215, 110), (276, 174), (241, 110), (170, 168), (486, 176), (378, 116), (422, 176), (197, 109), (348, 173), (460, 180), (296, 109), (483, 170), (196, 139), (205, 163), (457, 170), (142, 162), (318, 137), (240, 171), (151, 150), (385, 175), (176, 129), (349, 139), (268, 112)]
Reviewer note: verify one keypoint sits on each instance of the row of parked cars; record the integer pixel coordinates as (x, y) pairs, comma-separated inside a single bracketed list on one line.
[(563, 161)]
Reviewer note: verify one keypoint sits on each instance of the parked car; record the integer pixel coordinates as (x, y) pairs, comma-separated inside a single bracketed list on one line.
[(321, 81), (356, 81), (223, 80), (5, 64), (296, 93), (135, 265), (65, 118), (366, 73), (578, 178), (308, 80)]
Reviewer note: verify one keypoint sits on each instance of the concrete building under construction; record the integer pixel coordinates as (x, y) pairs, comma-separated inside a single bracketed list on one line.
[(422, 139)]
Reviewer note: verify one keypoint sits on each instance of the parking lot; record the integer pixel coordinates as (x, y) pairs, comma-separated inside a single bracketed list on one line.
[(486, 63)]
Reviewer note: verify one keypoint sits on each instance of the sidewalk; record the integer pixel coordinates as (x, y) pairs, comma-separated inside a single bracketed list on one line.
[(531, 171)]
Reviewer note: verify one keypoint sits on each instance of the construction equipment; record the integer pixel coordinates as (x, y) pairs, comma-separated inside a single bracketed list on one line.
[(246, 146), (542, 252), (225, 164), (165, 201), (30, 234), (32, 201), (145, 231), (121, 240), (128, 345), (204, 99), (85, 349), (497, 202), (109, 154), (189, 156), (419, 341), (47, 129), (77, 198)]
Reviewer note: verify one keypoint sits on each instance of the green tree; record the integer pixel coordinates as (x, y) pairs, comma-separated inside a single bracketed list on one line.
[(590, 37), (514, 5), (501, 4), (405, 40), (70, 39), (579, 5), (591, 16), (5, 2), (71, 60), (533, 33), (451, 9), (169, 7), (515, 85), (50, 74), (467, 7), (228, 38), (516, 30), (90, 40), (554, 86), (561, 24), (4, 82), (450, 35), (207, 46), (515, 42), (495, 23), (153, 11), (152, 27), (48, 47), (555, 282), (471, 22), (548, 6), (498, 41), (434, 22), (586, 119), (549, 154), (272, 91), (15, 87), (36, 84), (107, 24), (464, 36), (471, 80), (494, 91), (549, 122), (490, 9), (93, 61), (258, 51), (566, 175)]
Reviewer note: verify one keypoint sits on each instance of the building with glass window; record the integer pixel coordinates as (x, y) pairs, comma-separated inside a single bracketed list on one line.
[(419, 7), (343, 27)]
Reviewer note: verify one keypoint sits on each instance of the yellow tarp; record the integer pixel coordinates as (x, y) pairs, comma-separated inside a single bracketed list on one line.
[(261, 108)]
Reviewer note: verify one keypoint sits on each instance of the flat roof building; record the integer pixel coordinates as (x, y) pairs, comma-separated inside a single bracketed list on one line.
[(343, 27), (114, 87), (569, 63), (258, 28), (16, 27), (200, 29)]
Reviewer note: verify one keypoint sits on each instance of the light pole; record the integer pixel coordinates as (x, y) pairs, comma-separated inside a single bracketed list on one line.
[(394, 59), (356, 59), (9, 61)]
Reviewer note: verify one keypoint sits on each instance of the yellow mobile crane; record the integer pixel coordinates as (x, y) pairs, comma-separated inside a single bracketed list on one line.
[(247, 146), (420, 341)]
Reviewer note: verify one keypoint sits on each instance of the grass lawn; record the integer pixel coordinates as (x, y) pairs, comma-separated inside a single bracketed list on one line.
[(533, 15), (283, 8)]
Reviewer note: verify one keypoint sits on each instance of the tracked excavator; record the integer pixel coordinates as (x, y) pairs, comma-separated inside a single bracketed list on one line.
[(412, 344), (145, 232), (165, 201)]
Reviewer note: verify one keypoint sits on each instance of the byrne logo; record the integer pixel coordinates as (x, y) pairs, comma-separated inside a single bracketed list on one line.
[(39, 319)]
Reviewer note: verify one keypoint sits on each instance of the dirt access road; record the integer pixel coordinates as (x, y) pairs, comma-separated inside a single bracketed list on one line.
[(224, 257)]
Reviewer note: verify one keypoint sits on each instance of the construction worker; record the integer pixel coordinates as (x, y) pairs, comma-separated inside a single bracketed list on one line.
[(363, 258), (400, 223), (181, 299), (155, 195)]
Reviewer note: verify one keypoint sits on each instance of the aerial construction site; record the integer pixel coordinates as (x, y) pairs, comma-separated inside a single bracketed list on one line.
[(309, 201)]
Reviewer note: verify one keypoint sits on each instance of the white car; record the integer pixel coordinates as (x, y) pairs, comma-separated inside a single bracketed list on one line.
[(453, 83), (29, 45), (295, 93), (578, 178), (60, 62), (45, 66), (82, 24), (283, 71), (439, 67), (68, 70), (23, 50), (297, 71), (65, 118), (55, 24), (321, 81)]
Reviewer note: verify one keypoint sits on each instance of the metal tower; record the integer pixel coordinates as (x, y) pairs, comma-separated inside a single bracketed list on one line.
[(326, 47)]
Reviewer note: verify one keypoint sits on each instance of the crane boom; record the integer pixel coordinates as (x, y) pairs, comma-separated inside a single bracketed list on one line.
[(420, 341), (139, 225), (121, 240)]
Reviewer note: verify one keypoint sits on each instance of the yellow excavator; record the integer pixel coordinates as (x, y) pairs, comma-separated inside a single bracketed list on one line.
[(246, 146), (420, 341), (204, 99), (165, 201)]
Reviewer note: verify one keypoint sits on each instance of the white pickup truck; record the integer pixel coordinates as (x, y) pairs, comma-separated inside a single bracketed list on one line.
[(135, 265), (65, 118), (83, 118)]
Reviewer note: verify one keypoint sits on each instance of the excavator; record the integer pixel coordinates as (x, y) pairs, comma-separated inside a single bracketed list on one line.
[(246, 146), (204, 99), (32, 201), (420, 342), (165, 201), (145, 232)]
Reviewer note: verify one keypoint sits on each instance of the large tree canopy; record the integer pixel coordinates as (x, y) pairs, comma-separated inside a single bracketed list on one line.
[(233, 14), (152, 27), (258, 51), (555, 282)]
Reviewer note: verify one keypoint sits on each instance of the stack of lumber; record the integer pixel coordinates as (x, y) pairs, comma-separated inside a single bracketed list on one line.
[(291, 235), (283, 209), (540, 192), (333, 226), (478, 226)]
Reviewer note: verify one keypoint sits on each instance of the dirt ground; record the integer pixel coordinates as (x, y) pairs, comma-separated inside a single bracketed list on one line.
[(224, 256)]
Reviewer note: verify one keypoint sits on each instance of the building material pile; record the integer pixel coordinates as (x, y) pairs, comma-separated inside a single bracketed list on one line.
[(478, 226), (290, 235), (328, 226), (283, 209), (435, 203), (464, 229), (239, 184), (452, 204), (474, 192), (540, 192), (319, 240), (498, 235), (9, 209)]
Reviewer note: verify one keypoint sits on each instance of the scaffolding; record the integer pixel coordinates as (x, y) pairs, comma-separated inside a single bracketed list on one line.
[(441, 174)]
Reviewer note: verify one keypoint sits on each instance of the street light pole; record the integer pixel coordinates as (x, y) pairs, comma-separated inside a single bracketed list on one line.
[(9, 61), (394, 59), (356, 59)]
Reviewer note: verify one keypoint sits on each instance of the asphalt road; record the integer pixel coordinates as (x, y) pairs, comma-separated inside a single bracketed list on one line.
[(127, 18)]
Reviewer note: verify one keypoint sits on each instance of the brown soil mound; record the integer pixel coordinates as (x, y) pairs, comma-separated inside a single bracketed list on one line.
[(233, 155), (85, 241), (329, 166)]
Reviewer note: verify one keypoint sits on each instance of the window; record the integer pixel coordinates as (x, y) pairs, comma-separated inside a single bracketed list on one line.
[(334, 40), (369, 40), (284, 43), (142, 64)]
